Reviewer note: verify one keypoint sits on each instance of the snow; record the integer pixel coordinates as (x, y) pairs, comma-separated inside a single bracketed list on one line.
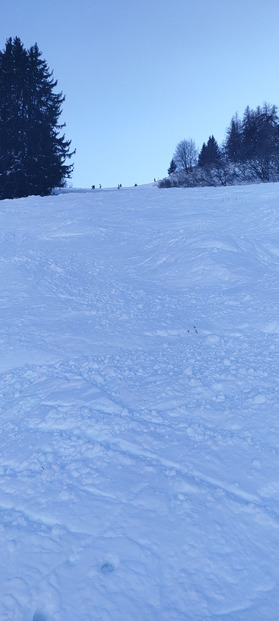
[(139, 405)]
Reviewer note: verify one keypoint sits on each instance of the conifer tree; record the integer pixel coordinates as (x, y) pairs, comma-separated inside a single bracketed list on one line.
[(260, 142), (202, 156), (210, 153), (249, 129), (172, 167), (32, 150), (213, 151), (233, 143)]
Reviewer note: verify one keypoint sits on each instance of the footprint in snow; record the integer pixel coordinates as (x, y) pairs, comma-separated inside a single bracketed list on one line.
[(107, 568)]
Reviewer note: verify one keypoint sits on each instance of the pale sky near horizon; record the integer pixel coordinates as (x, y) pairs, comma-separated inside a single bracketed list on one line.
[(140, 76)]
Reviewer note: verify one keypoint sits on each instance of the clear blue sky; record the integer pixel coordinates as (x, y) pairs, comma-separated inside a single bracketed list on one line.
[(141, 75)]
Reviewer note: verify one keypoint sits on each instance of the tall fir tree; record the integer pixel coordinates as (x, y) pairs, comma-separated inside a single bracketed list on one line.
[(233, 142), (249, 130), (260, 129), (33, 152), (202, 156), (172, 167), (210, 153), (254, 143)]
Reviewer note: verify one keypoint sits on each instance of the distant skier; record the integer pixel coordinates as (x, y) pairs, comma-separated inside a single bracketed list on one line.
[(93, 187)]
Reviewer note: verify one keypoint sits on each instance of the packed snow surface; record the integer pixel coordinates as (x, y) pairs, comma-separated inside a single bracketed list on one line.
[(139, 405)]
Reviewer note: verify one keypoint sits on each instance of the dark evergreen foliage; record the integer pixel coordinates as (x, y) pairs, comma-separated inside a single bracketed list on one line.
[(210, 153), (250, 153), (202, 156), (233, 143), (260, 141), (172, 167), (32, 150)]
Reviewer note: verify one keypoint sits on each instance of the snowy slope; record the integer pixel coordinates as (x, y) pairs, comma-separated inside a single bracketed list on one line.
[(139, 405)]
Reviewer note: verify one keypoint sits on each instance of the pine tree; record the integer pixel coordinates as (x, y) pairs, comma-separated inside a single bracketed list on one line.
[(233, 143), (260, 137), (249, 129), (32, 150), (172, 167), (210, 153), (213, 151), (202, 156)]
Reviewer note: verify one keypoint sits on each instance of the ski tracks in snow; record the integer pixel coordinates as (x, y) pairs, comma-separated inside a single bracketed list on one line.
[(139, 397), (119, 482)]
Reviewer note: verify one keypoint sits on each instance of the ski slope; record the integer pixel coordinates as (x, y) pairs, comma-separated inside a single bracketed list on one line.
[(139, 390)]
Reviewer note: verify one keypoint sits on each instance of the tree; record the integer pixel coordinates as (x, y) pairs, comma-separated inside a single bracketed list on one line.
[(260, 138), (202, 156), (185, 156), (210, 153), (233, 142), (32, 150), (250, 153), (249, 130), (172, 167)]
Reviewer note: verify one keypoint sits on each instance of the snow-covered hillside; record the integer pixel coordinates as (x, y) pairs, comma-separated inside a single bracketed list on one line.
[(139, 405)]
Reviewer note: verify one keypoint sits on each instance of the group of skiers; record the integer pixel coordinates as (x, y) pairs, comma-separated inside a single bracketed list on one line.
[(93, 187), (118, 187)]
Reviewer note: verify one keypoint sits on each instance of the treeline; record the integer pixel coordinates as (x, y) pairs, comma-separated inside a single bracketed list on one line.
[(33, 152), (249, 154)]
